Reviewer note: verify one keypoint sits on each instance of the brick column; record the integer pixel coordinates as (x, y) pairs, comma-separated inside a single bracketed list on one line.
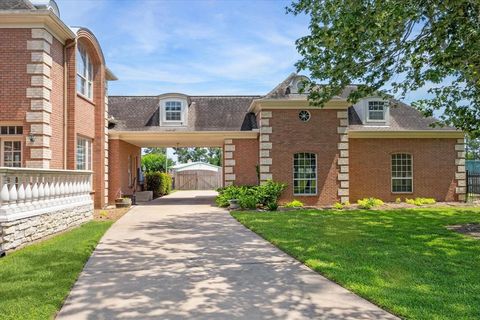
[(265, 146), (343, 159), (39, 94), (229, 162), (460, 174)]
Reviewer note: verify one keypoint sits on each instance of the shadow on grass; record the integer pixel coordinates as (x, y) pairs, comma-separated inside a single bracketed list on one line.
[(404, 260), (35, 280)]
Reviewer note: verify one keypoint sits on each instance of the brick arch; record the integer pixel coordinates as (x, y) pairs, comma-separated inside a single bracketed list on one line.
[(88, 39)]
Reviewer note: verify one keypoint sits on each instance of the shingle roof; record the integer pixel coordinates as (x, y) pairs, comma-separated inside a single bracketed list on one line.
[(402, 117), (230, 113), (16, 5), (205, 113)]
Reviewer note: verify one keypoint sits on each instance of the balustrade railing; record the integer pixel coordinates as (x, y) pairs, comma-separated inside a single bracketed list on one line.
[(28, 191)]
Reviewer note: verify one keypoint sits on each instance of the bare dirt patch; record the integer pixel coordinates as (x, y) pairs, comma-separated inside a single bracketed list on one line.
[(470, 229), (112, 214)]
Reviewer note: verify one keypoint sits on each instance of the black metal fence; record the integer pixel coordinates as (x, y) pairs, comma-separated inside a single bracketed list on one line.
[(473, 186)]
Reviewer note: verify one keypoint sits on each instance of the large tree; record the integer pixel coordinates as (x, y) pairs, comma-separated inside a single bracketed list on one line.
[(155, 159), (209, 155), (396, 47)]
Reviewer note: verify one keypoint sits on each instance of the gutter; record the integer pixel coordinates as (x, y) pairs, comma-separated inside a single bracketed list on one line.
[(65, 103)]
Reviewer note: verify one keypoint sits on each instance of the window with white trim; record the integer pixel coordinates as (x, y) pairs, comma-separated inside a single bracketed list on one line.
[(402, 173), (84, 154), (12, 153), (11, 146), (84, 73), (173, 111), (304, 174), (376, 110)]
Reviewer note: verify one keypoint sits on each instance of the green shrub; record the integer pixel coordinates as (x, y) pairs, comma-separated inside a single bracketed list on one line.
[(420, 201), (272, 206), (250, 196), (368, 203), (158, 182), (294, 204), (346, 203), (398, 200), (269, 192), (338, 206), (229, 193), (247, 201)]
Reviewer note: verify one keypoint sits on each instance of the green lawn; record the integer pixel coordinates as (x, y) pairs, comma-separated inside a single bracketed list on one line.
[(35, 280), (405, 261)]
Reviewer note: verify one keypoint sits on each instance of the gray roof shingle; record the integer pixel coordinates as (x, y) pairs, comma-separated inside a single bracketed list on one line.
[(205, 113), (16, 5), (402, 118)]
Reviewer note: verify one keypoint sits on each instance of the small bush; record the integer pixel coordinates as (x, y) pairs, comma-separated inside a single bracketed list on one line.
[(158, 182), (346, 203), (420, 201), (398, 200), (269, 192), (272, 206), (368, 203), (249, 197), (338, 206), (294, 204)]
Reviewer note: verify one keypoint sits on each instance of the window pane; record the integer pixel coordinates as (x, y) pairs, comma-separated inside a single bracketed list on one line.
[(402, 180), (304, 173)]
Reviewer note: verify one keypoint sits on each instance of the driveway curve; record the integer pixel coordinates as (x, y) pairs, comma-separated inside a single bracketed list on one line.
[(179, 257)]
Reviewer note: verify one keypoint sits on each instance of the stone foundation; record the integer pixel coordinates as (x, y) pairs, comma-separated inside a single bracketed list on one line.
[(20, 232)]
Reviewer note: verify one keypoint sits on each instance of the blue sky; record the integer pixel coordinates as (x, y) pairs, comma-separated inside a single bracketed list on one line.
[(194, 47)]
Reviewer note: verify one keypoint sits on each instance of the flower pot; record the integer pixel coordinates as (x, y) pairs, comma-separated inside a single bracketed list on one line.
[(123, 202), (233, 204)]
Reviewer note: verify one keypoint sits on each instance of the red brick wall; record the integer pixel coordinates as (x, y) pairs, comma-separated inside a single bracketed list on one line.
[(433, 168), (57, 100), (318, 135), (246, 160), (14, 79), (118, 153)]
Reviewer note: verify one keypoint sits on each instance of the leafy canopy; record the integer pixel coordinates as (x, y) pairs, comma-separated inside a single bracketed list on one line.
[(406, 45), (209, 155), (154, 160)]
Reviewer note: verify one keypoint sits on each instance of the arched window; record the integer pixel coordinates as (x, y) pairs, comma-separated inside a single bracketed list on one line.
[(402, 173), (84, 73), (304, 174)]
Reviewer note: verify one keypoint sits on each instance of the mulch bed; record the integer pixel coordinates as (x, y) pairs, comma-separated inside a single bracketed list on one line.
[(112, 214), (470, 229)]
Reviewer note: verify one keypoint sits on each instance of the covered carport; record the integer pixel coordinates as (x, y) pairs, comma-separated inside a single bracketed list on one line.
[(125, 152)]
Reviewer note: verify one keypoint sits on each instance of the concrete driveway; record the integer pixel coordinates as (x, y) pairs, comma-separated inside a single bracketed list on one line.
[(179, 257)]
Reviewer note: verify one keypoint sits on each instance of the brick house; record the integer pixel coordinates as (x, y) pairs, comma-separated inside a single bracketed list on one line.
[(342, 152), (65, 146), (53, 89)]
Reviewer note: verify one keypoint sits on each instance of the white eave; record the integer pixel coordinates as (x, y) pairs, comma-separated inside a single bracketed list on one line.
[(36, 19)]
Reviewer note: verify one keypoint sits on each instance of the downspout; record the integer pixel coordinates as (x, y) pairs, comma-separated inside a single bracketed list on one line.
[(65, 103)]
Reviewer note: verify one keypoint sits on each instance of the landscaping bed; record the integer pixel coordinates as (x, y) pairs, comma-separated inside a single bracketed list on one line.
[(111, 214), (35, 280), (404, 260)]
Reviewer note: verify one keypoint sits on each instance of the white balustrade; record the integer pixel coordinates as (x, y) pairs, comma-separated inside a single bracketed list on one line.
[(25, 191)]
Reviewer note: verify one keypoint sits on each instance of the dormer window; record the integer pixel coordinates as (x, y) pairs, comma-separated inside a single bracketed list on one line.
[(376, 111), (173, 111)]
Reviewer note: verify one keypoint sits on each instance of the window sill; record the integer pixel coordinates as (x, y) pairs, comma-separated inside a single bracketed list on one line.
[(85, 98)]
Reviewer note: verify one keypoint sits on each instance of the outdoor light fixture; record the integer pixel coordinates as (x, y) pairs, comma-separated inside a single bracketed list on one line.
[(31, 137)]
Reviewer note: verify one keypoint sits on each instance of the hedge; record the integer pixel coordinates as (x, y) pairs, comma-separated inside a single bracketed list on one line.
[(158, 182)]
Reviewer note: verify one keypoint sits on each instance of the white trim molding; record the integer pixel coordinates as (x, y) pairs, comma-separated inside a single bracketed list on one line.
[(229, 162)]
